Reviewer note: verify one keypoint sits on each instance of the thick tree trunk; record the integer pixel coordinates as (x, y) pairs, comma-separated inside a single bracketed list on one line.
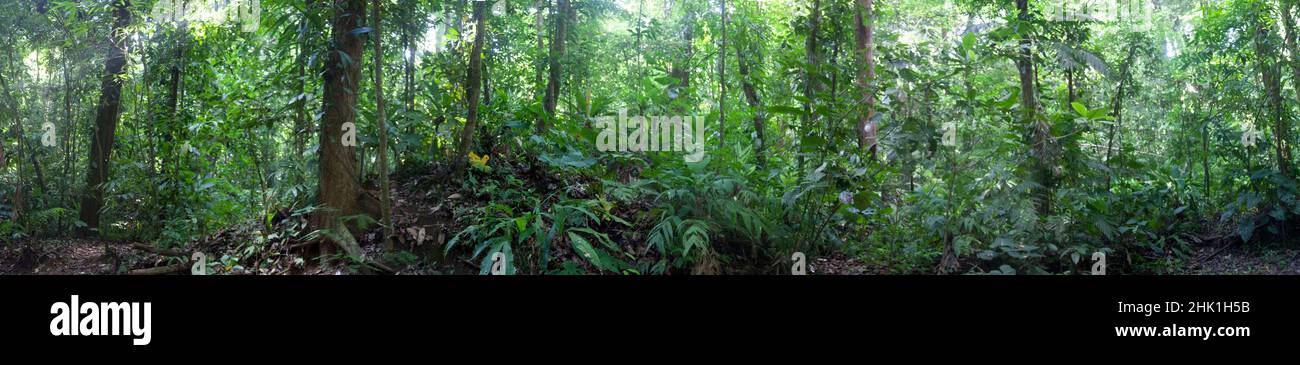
[(106, 117), (472, 87), (337, 191), (385, 202), (864, 42), (552, 96)]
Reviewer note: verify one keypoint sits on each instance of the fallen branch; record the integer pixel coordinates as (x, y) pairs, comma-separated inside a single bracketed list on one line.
[(1222, 237), (160, 251), (160, 270)]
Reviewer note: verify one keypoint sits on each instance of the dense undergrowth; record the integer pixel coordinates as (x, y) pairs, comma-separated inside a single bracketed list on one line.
[(902, 137)]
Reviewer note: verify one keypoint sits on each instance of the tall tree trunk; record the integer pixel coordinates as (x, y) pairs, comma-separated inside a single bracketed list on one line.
[(385, 204), (1071, 38), (722, 77), (1288, 22), (751, 97), (1025, 65), (1272, 77), (557, 52), (68, 123), (12, 109), (300, 127), (539, 24), (172, 161), (681, 67), (4, 164), (811, 56), (25, 149), (1038, 138), (408, 57), (337, 191), (1118, 105), (106, 117), (864, 42), (640, 51), (472, 86), (810, 83)]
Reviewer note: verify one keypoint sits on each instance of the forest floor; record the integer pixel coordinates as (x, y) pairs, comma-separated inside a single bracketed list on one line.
[(424, 212), (97, 257), (1248, 260)]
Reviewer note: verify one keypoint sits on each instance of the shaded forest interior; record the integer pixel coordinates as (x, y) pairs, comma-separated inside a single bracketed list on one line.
[(648, 136)]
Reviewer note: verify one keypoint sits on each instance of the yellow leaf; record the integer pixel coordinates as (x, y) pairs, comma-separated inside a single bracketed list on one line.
[(479, 162)]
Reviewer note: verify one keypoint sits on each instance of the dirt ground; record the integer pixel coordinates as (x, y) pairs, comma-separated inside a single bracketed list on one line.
[(96, 257)]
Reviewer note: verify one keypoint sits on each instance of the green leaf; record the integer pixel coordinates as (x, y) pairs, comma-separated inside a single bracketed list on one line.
[(1079, 108), (968, 42), (584, 249)]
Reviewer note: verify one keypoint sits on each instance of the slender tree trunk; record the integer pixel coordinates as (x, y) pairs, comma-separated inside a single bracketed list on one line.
[(408, 56), (551, 98), (811, 56), (1038, 136), (472, 86), (751, 96), (722, 78), (385, 205), (106, 117), (172, 161), (19, 203), (1272, 79), (681, 67), (4, 164), (68, 125), (1205, 152), (25, 149), (1070, 72), (338, 187), (300, 127), (810, 83), (539, 24), (1118, 105), (1025, 65), (1288, 22), (863, 35)]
